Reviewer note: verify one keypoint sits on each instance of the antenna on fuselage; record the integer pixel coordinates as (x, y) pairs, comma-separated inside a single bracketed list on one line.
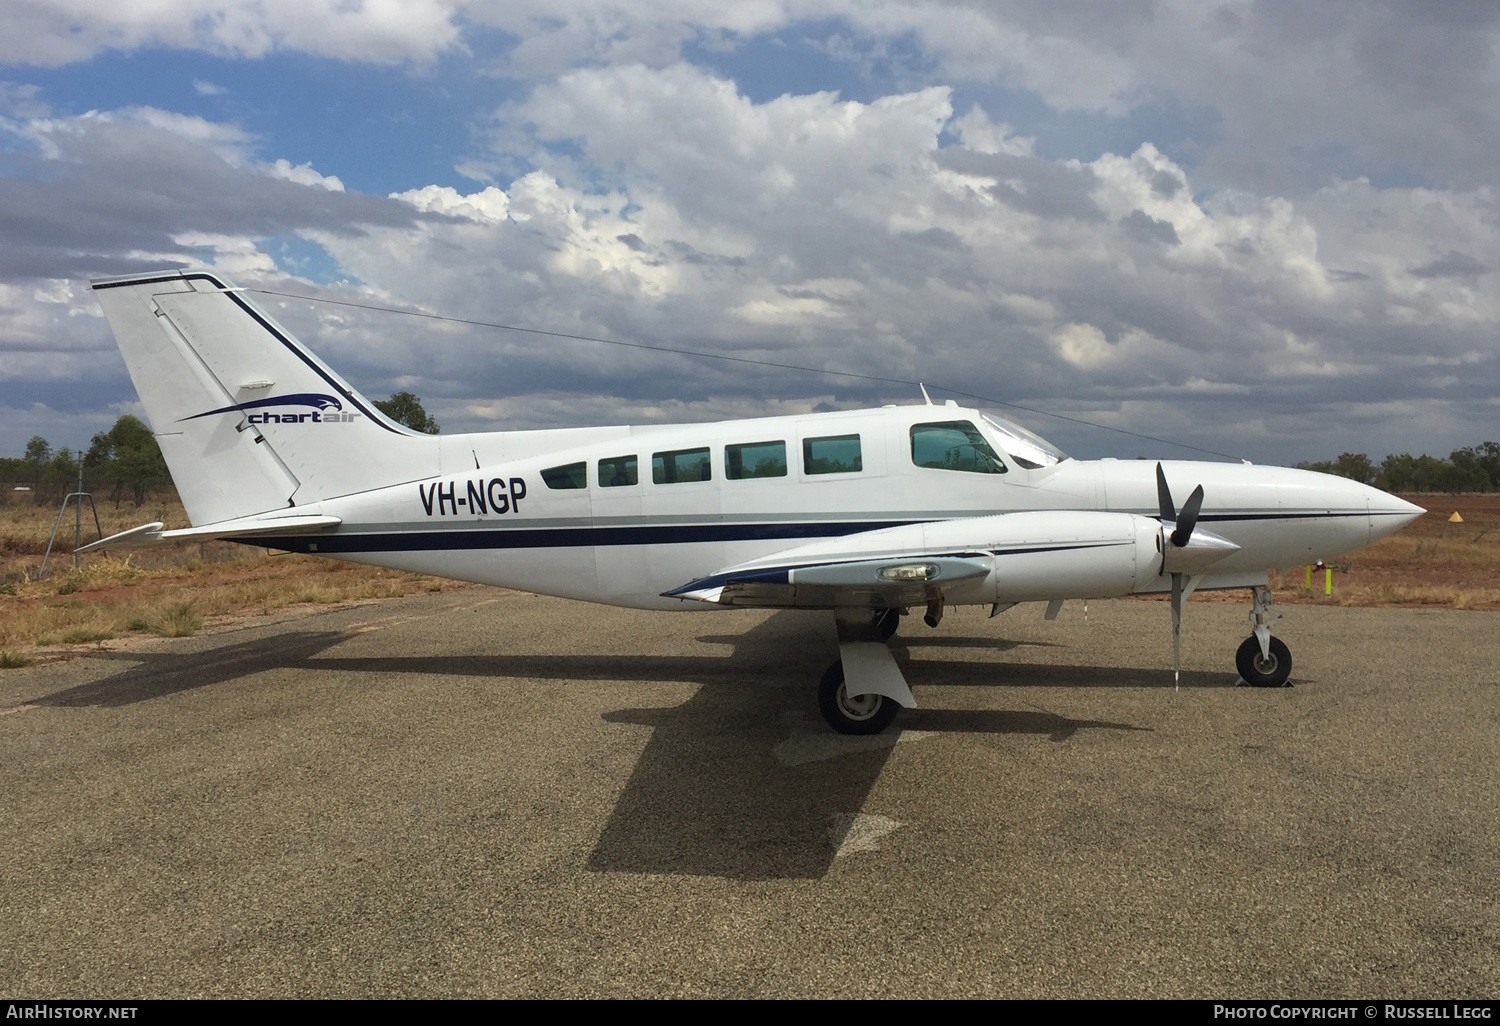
[(925, 395)]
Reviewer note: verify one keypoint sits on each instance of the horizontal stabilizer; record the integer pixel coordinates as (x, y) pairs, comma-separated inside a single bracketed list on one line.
[(151, 535)]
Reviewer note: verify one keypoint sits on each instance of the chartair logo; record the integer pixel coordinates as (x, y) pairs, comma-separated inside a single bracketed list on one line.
[(326, 410)]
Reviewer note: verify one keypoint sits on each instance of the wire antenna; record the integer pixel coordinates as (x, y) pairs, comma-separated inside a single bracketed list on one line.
[(724, 357)]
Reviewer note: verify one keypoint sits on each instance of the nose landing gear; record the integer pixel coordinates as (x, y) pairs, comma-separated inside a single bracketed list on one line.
[(1263, 661)]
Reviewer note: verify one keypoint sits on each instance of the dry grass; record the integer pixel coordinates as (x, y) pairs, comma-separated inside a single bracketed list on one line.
[(112, 597), (26, 526), (172, 592)]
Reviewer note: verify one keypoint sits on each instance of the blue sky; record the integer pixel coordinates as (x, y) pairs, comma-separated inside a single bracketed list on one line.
[(1264, 229), (384, 128)]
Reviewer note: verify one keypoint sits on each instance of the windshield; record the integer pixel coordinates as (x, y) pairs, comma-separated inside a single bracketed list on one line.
[(1027, 448)]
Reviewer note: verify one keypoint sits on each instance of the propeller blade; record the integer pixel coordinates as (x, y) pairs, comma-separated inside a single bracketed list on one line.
[(1188, 518), (1164, 497)]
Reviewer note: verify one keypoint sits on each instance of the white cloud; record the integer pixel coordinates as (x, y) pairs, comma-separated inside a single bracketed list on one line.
[(490, 204), (303, 174), (231, 254), (381, 31), (1082, 345), (977, 132)]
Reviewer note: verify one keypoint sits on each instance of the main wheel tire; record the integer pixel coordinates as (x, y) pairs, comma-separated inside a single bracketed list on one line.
[(865, 714), (1259, 671), (885, 622)]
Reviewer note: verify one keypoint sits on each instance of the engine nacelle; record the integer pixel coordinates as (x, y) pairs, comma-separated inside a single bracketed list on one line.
[(1043, 556)]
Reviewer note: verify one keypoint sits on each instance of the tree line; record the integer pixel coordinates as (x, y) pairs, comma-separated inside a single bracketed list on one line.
[(1472, 469), (127, 461)]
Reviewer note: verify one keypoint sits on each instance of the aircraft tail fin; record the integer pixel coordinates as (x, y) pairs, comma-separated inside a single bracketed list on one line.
[(247, 418)]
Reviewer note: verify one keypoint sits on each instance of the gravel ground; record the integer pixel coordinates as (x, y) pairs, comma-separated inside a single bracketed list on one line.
[(483, 793)]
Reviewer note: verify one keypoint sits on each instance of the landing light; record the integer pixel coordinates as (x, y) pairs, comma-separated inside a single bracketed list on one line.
[(911, 572)]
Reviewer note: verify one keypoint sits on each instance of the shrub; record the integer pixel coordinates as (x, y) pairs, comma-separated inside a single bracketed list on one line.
[(177, 620), (82, 635)]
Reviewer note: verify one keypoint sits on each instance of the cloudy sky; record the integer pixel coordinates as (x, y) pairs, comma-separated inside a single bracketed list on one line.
[(1265, 228)]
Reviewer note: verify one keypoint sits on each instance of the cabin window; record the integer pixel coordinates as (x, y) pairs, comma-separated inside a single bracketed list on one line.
[(574, 475), (618, 472), (681, 465), (953, 445), (836, 454), (755, 459)]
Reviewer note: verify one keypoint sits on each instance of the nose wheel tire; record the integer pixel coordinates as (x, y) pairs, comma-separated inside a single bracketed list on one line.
[(860, 714), (1257, 670), (885, 622)]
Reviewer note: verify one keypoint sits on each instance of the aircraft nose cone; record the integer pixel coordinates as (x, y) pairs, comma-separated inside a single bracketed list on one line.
[(1388, 513)]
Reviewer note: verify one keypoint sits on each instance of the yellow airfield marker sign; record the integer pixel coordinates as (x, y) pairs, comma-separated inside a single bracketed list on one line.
[(1455, 518)]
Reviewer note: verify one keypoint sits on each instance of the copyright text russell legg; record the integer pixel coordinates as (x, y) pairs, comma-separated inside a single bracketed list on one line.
[(1374, 1011)]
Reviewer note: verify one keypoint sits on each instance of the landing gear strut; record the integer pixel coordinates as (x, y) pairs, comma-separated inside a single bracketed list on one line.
[(1263, 661)]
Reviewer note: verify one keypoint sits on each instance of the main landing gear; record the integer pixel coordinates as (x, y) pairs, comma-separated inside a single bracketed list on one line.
[(1263, 661), (864, 690)]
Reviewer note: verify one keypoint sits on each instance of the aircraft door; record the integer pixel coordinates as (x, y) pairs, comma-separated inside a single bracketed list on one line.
[(620, 559), (681, 512)]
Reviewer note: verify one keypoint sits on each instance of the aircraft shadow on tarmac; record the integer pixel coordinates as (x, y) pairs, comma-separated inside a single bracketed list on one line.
[(159, 674), (741, 781), (781, 660), (745, 781)]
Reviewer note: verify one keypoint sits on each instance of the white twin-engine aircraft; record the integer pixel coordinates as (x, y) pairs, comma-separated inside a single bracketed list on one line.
[(866, 513)]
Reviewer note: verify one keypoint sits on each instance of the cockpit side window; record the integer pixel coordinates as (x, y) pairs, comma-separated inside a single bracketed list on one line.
[(573, 475), (953, 445)]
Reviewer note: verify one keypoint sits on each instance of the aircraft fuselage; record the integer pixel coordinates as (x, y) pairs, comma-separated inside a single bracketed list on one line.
[(621, 515)]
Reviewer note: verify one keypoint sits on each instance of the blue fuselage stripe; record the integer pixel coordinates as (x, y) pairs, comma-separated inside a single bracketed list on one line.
[(350, 541), (566, 537)]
